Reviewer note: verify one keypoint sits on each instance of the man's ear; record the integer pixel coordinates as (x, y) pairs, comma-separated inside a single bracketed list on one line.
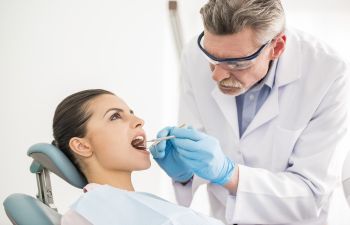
[(80, 146), (279, 44)]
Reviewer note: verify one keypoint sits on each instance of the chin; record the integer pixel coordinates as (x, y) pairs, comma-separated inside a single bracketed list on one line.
[(232, 91), (143, 165)]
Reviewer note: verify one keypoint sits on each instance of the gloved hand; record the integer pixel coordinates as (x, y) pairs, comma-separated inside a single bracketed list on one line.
[(203, 154), (169, 159)]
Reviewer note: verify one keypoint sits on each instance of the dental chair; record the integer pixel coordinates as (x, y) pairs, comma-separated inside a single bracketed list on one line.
[(23, 209)]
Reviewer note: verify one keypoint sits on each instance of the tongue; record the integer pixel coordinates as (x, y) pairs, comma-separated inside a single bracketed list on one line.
[(138, 144)]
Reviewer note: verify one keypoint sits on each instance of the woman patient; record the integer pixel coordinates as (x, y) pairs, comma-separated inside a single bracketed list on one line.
[(98, 132)]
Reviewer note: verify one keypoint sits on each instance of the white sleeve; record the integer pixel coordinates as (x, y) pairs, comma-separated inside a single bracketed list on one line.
[(71, 217), (189, 115), (188, 111), (183, 193), (300, 192)]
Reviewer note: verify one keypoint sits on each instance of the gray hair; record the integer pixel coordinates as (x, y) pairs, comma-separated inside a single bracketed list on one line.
[(265, 17)]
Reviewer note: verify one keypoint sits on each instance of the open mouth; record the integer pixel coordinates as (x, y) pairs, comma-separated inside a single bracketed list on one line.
[(139, 143)]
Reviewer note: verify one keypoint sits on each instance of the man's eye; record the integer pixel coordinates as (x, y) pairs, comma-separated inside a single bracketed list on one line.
[(115, 116)]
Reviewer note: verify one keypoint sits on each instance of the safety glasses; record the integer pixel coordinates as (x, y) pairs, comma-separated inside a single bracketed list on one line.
[(230, 63)]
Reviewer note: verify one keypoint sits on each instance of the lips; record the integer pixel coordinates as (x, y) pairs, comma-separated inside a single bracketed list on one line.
[(139, 142)]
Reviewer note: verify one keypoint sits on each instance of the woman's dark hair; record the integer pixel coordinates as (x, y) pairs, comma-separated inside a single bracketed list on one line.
[(70, 120)]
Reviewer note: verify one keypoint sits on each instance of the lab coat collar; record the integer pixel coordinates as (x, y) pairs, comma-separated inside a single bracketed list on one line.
[(228, 107), (268, 111), (289, 66), (285, 73), (269, 80)]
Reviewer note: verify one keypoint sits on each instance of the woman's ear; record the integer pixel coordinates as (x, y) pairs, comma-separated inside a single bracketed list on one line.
[(81, 147), (279, 44)]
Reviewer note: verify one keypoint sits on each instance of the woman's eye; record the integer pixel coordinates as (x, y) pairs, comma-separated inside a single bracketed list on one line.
[(115, 116)]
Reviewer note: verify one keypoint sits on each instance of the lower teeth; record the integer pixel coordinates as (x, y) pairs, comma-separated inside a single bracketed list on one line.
[(139, 147)]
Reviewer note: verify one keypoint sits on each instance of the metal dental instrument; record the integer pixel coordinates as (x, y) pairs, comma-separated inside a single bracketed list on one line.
[(161, 139), (157, 140)]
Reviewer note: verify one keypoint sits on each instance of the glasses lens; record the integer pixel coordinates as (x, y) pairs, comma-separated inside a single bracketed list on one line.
[(242, 65)]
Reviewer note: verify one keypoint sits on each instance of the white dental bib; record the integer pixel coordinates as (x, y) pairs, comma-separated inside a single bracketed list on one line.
[(108, 205)]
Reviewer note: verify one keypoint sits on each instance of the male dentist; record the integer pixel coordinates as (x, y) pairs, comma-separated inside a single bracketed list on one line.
[(270, 103)]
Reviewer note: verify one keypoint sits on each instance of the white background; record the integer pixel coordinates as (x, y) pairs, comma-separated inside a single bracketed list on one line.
[(50, 49)]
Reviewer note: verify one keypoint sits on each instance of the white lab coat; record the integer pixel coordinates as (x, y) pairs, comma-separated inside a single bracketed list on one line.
[(288, 157)]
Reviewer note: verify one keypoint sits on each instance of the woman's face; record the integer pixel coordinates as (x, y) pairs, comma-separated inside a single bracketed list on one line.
[(110, 131)]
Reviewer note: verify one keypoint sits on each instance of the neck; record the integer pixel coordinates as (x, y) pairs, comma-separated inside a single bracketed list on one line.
[(117, 179)]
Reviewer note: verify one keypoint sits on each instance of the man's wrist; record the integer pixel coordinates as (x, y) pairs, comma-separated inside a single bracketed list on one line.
[(232, 184), (186, 182)]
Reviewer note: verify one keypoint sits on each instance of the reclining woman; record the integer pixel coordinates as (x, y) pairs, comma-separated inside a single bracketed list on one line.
[(98, 132)]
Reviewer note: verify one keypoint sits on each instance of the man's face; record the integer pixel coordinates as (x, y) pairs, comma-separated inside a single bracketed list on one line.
[(242, 44)]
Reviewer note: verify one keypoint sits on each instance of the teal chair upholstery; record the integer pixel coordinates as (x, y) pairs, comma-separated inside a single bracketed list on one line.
[(23, 209), (49, 157)]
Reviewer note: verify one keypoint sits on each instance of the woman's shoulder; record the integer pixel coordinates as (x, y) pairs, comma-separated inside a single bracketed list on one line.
[(98, 194), (71, 217)]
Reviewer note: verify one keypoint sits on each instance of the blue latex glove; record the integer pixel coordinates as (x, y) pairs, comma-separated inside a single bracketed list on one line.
[(203, 154), (169, 159)]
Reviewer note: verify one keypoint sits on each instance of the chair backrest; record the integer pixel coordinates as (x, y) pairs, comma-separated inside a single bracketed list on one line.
[(23, 209), (346, 178)]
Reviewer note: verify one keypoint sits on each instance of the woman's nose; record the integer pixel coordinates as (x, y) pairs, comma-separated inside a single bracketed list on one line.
[(219, 73), (138, 122)]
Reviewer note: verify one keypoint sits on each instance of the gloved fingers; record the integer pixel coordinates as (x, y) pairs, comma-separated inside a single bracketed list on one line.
[(157, 152), (158, 149), (193, 163), (193, 155), (187, 144), (164, 132), (186, 133)]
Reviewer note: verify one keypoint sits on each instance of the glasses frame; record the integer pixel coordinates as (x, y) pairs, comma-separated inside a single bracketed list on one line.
[(216, 60)]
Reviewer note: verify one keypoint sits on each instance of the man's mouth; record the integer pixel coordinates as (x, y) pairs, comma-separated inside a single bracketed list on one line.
[(231, 87), (230, 83), (139, 143)]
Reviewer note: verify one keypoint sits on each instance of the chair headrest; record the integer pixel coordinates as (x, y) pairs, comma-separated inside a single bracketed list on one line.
[(51, 158)]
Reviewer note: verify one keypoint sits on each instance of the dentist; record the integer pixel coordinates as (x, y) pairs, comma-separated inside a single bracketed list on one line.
[(270, 104)]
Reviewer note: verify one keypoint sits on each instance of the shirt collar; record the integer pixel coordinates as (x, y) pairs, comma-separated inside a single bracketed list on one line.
[(269, 79)]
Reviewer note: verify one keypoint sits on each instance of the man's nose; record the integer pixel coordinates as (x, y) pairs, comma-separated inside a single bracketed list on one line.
[(219, 73)]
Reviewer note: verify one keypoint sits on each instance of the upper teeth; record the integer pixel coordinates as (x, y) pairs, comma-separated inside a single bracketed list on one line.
[(139, 143), (139, 138)]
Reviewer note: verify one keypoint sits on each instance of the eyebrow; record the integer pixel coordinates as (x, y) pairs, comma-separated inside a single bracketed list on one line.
[(118, 110)]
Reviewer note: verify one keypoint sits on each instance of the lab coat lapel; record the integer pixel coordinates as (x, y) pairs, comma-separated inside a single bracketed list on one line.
[(286, 73), (228, 107), (268, 111)]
